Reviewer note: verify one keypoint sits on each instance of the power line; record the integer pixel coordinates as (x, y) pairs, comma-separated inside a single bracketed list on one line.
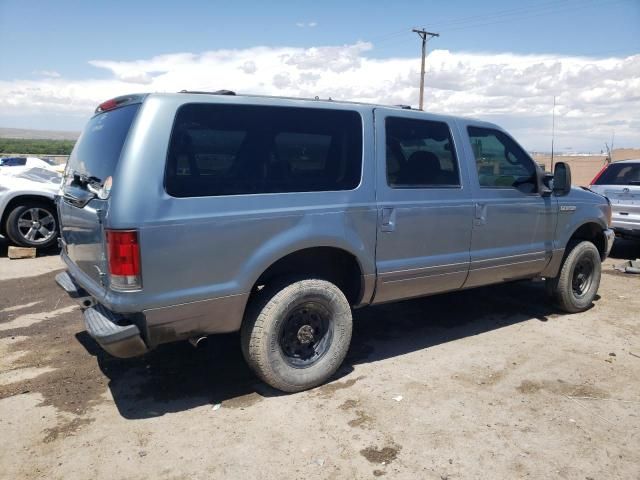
[(502, 16), (512, 18), (500, 13)]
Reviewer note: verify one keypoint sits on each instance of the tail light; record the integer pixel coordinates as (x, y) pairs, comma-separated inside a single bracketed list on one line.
[(116, 102), (598, 175), (123, 251), (108, 105)]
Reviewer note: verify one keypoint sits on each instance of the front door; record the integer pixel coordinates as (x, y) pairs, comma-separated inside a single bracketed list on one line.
[(513, 225), (425, 211)]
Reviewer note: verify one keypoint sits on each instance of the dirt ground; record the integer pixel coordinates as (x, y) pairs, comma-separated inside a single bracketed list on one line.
[(487, 383)]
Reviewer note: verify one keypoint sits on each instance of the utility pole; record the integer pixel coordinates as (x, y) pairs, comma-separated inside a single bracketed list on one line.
[(553, 129), (423, 35)]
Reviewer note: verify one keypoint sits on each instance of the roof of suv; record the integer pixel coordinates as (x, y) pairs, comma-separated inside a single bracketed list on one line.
[(273, 100), (328, 103), (634, 160), (279, 97)]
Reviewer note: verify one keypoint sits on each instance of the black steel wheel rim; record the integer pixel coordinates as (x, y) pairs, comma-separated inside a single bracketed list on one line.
[(306, 334), (582, 276)]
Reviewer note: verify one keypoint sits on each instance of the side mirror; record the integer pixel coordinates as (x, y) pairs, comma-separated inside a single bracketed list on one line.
[(561, 179)]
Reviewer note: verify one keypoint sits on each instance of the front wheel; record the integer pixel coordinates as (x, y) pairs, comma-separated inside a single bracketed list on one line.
[(577, 284), (297, 333)]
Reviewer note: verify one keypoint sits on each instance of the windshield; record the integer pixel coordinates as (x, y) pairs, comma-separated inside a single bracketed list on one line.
[(620, 174), (97, 151)]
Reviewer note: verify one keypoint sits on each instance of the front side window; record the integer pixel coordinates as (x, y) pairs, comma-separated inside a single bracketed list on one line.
[(246, 149), (500, 161), (420, 154)]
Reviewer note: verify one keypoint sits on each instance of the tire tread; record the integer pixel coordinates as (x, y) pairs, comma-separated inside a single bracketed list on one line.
[(260, 314)]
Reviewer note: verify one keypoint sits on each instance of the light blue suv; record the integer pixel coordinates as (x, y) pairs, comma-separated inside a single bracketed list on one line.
[(189, 214)]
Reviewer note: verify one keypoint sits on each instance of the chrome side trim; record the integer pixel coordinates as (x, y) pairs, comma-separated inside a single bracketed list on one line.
[(506, 265), (410, 273), (418, 277), (500, 261)]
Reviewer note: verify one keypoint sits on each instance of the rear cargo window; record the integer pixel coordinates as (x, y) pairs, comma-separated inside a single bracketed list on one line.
[(97, 151), (620, 174), (246, 149)]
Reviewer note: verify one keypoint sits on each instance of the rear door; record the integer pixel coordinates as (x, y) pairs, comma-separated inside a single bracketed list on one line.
[(424, 206), (92, 163), (514, 226)]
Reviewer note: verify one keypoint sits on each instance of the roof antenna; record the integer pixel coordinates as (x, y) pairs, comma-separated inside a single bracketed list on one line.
[(553, 129)]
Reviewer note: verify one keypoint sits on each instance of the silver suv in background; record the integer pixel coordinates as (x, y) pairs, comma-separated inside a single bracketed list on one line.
[(194, 213), (620, 183)]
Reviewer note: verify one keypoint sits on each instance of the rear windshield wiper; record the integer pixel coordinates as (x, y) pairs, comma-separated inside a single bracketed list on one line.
[(88, 185), (85, 180)]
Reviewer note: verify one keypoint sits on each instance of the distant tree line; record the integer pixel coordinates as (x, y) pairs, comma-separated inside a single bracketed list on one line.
[(36, 147)]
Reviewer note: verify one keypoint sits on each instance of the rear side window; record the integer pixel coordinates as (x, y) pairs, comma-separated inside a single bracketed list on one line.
[(420, 154), (501, 162), (247, 149), (620, 174), (97, 151)]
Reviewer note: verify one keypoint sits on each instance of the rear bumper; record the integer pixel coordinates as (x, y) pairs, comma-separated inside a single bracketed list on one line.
[(113, 332), (131, 334)]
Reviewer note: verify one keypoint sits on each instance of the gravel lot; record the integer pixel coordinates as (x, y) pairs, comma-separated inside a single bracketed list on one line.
[(488, 383)]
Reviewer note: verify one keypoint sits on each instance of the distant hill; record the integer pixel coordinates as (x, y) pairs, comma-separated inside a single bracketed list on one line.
[(37, 134)]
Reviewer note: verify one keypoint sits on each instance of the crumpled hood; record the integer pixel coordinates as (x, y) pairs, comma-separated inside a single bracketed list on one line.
[(30, 178)]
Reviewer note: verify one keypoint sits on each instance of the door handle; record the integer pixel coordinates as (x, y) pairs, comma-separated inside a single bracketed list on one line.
[(388, 221), (481, 214)]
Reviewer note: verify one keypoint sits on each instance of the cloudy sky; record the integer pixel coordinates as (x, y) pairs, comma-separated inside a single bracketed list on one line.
[(499, 61)]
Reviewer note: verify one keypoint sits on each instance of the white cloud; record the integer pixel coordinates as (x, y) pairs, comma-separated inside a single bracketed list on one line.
[(248, 67), (594, 96), (47, 73), (307, 24)]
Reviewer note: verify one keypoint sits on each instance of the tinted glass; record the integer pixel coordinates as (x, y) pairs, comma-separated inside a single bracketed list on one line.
[(420, 153), (13, 161), (620, 174), (97, 151), (500, 161), (244, 149)]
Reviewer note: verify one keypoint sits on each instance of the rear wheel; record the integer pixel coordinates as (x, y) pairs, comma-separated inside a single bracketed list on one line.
[(577, 284), (297, 333), (32, 224)]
